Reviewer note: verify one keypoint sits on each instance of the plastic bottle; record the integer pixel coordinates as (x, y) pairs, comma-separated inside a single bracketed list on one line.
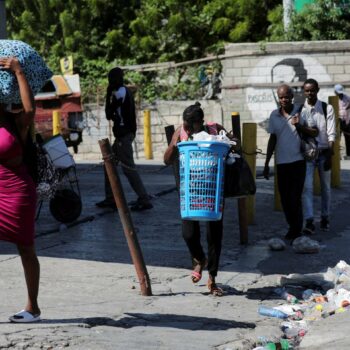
[(297, 316), (292, 332), (313, 295), (286, 296), (271, 312), (283, 344), (307, 294), (336, 311), (294, 329), (314, 312)]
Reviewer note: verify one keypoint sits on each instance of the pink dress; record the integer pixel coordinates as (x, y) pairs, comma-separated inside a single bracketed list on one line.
[(17, 193)]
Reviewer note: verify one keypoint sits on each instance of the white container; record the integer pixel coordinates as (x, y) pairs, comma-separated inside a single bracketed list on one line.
[(58, 152)]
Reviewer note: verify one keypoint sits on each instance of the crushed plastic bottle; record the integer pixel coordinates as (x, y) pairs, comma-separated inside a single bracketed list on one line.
[(294, 331), (271, 312), (286, 296)]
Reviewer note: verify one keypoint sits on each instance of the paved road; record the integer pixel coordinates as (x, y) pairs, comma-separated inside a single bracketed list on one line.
[(90, 296)]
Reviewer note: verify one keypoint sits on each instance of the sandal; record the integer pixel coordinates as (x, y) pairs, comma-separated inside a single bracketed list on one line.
[(196, 276), (24, 317), (214, 289)]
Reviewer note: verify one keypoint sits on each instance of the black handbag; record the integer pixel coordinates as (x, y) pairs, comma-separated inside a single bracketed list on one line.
[(239, 180), (309, 148)]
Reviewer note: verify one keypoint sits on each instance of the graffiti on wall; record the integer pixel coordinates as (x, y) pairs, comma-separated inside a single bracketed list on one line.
[(261, 100)]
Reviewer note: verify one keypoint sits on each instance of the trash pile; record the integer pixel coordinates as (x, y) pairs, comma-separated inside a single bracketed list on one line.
[(329, 295)]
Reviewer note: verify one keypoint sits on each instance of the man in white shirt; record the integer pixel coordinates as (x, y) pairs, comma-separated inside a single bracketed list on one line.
[(320, 115), (344, 115), (285, 142)]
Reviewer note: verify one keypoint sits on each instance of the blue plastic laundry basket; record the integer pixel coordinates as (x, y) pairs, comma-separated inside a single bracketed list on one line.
[(202, 179)]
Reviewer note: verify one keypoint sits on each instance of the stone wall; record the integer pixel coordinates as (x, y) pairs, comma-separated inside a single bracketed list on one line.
[(251, 74)]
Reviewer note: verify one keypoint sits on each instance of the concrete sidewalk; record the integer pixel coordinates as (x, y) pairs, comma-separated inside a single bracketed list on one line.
[(90, 296)]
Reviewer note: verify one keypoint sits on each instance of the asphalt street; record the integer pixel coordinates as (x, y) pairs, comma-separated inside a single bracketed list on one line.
[(90, 295)]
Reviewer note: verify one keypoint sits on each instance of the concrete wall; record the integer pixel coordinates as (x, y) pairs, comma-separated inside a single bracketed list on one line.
[(251, 74), (163, 113)]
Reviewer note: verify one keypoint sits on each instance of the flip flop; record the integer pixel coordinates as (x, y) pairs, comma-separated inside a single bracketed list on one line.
[(196, 276), (25, 317)]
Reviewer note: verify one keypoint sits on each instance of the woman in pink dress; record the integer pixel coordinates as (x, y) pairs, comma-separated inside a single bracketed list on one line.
[(17, 189)]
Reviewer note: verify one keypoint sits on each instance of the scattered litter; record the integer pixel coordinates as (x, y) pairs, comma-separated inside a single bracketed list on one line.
[(305, 245), (290, 298), (276, 244), (312, 305)]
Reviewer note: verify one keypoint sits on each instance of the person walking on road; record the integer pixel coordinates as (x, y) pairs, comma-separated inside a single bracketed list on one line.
[(17, 188), (120, 108), (322, 116), (193, 122), (285, 140), (344, 115)]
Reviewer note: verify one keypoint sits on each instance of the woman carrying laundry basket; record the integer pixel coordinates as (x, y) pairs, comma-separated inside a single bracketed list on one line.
[(193, 123)]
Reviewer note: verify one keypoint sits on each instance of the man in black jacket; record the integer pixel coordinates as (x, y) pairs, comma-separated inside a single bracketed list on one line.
[(120, 108)]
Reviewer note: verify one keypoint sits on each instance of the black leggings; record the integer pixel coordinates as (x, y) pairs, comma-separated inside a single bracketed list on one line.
[(192, 237), (290, 179)]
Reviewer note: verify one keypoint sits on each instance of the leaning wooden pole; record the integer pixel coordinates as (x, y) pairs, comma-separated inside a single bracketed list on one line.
[(125, 217), (242, 206)]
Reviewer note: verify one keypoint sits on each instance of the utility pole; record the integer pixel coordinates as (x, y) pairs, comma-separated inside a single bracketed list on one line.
[(288, 6), (3, 33)]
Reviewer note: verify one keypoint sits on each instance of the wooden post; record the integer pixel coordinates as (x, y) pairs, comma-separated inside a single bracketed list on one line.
[(242, 209), (125, 217), (335, 171), (169, 131), (147, 134), (249, 150)]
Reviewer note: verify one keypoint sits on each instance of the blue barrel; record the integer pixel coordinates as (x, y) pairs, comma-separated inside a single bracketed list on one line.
[(202, 179)]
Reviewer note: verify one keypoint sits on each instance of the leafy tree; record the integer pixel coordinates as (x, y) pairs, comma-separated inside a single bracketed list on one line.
[(167, 30), (86, 29), (321, 20), (100, 34)]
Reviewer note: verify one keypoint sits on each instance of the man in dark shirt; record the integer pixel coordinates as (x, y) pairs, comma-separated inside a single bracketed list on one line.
[(120, 108)]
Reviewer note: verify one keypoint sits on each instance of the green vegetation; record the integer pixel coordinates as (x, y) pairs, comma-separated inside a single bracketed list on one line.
[(101, 34)]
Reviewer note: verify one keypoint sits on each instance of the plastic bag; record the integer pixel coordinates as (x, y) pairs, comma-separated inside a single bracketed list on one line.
[(239, 180), (276, 244), (305, 245), (221, 137), (309, 148)]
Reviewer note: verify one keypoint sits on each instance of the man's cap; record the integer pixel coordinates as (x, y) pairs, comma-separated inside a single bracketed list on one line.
[(339, 89)]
